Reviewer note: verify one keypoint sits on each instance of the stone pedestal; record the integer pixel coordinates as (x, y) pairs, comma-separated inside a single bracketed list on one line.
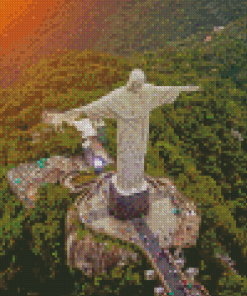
[(172, 220), (127, 207)]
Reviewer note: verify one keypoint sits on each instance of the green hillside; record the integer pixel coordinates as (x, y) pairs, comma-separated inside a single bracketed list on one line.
[(151, 24), (190, 142)]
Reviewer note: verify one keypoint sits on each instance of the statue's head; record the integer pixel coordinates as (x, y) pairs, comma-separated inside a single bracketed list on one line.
[(136, 80)]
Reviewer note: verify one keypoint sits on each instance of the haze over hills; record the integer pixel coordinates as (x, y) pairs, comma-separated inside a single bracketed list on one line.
[(136, 27), (75, 25), (232, 62)]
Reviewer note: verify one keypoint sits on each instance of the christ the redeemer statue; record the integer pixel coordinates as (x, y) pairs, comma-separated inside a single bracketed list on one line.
[(130, 106), (128, 196)]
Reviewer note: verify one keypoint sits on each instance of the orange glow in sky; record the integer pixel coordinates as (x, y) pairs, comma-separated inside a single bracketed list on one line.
[(11, 11), (30, 29), (19, 17)]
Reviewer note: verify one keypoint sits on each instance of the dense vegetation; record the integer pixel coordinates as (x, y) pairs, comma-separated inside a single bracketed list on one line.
[(190, 142)]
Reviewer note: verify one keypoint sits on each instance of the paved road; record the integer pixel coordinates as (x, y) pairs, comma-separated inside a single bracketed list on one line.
[(151, 245)]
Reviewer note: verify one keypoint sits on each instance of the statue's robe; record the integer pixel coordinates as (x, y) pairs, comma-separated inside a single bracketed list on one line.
[(131, 111)]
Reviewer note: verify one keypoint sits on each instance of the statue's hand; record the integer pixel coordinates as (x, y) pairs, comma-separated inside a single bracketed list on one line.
[(70, 117), (199, 88), (57, 119)]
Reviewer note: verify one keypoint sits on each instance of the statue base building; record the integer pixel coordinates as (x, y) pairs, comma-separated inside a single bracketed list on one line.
[(172, 220)]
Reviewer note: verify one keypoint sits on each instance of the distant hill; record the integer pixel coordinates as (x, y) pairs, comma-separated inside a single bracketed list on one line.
[(136, 27), (148, 25)]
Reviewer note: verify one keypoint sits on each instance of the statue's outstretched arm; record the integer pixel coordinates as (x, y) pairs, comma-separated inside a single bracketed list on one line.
[(168, 94), (96, 110), (186, 88)]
